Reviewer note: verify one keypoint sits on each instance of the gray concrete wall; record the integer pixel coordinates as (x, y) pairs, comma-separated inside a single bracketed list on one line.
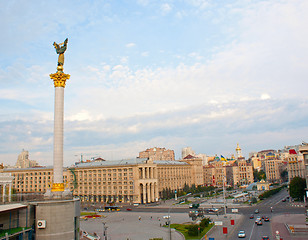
[(62, 219)]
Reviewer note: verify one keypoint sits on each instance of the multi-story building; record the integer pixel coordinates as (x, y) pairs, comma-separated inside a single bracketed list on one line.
[(235, 173), (135, 180), (256, 162), (304, 150), (196, 169), (157, 154), (242, 173), (296, 165), (273, 169)]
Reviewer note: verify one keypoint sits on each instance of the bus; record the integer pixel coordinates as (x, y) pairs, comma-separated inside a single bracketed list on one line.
[(112, 208)]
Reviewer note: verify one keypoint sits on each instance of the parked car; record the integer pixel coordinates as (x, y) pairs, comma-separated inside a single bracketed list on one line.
[(257, 211), (284, 200), (252, 216), (241, 234), (128, 209)]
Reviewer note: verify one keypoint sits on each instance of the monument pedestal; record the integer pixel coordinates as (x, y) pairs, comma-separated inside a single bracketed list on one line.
[(57, 219)]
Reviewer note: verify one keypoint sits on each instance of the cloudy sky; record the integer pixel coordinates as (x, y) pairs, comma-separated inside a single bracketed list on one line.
[(202, 73)]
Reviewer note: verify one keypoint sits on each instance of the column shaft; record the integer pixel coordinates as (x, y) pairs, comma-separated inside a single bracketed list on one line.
[(58, 135)]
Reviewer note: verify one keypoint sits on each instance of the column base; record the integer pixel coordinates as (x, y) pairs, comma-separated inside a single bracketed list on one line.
[(57, 187)]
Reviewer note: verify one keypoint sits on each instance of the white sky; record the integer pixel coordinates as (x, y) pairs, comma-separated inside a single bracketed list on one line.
[(202, 73)]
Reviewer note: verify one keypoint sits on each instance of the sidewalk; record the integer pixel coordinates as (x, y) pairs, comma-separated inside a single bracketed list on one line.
[(278, 224), (217, 231)]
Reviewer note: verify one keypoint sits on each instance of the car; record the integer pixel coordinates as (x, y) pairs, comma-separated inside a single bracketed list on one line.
[(99, 210), (259, 222), (258, 219), (241, 234), (266, 219), (252, 216), (284, 200), (257, 211), (128, 209), (265, 238)]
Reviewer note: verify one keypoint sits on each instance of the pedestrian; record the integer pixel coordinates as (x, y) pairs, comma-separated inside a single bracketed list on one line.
[(139, 218)]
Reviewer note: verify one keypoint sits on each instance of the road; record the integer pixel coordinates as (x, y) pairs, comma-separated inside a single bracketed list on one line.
[(256, 232), (131, 225)]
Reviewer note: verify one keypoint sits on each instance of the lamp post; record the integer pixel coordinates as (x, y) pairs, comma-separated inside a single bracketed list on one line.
[(224, 195), (104, 231)]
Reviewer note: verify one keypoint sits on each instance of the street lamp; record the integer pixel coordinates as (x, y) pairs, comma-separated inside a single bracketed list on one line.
[(104, 231)]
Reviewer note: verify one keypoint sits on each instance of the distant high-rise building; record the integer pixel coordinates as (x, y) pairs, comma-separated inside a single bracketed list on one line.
[(157, 154), (23, 160), (187, 151)]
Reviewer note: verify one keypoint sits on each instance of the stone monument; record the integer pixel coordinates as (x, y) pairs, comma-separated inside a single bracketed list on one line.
[(57, 217)]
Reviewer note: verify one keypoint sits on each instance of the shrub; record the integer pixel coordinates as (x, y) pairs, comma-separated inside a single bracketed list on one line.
[(193, 230)]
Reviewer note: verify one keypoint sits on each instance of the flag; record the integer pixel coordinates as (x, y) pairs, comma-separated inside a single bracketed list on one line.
[(222, 158)]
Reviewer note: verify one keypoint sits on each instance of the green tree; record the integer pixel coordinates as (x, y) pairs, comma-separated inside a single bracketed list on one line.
[(297, 188), (258, 175), (284, 175), (205, 222)]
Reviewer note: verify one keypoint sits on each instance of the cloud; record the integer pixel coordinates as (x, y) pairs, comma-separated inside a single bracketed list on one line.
[(130, 45), (165, 8), (225, 73)]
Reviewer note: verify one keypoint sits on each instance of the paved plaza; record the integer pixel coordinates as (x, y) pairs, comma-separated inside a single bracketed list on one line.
[(126, 225)]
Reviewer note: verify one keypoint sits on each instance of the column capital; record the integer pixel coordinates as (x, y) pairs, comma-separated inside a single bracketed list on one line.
[(59, 78)]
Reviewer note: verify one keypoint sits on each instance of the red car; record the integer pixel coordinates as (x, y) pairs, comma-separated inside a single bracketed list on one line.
[(128, 209)]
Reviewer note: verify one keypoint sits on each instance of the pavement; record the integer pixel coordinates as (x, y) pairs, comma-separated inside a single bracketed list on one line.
[(278, 224)]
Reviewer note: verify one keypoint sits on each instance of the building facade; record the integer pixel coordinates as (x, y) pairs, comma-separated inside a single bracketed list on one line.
[(134, 180), (295, 165)]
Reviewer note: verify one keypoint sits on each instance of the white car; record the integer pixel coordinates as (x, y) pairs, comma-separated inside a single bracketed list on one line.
[(241, 234)]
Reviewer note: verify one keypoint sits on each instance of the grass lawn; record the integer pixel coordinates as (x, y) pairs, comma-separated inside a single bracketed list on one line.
[(87, 213), (12, 231), (182, 228)]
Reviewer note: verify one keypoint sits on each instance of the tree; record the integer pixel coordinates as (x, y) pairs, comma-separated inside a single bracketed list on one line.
[(297, 188), (284, 175), (258, 175)]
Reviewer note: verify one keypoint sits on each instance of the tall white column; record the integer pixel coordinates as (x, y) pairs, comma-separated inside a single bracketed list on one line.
[(3, 193), (59, 79), (10, 192), (58, 135)]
